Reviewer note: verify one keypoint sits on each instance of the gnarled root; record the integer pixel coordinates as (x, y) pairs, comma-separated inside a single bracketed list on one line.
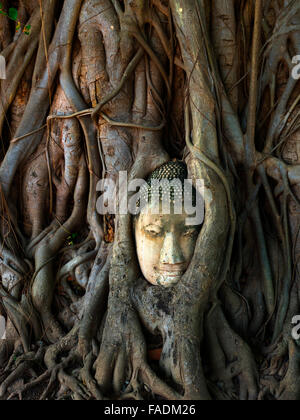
[(232, 357), (289, 389), (123, 357)]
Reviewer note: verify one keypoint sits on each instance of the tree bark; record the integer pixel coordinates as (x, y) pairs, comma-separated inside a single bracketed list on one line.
[(101, 87)]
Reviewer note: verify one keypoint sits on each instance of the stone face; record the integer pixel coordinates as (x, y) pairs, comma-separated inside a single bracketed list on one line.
[(165, 242)]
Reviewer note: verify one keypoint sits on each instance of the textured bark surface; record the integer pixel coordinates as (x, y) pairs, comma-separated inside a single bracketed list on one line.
[(103, 86)]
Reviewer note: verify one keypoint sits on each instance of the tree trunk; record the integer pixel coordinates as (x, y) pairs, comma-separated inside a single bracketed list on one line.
[(96, 88)]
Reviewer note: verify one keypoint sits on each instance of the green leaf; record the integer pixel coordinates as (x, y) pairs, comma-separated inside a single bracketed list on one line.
[(26, 30), (13, 13)]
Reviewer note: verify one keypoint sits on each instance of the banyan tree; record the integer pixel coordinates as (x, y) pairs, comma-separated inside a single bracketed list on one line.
[(123, 306)]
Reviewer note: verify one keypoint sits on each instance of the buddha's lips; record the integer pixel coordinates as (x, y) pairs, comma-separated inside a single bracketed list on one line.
[(173, 273)]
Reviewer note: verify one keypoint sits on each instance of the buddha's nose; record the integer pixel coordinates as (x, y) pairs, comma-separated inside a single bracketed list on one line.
[(171, 252)]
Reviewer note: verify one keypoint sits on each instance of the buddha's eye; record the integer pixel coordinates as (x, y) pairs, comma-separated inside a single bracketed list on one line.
[(153, 230), (190, 231)]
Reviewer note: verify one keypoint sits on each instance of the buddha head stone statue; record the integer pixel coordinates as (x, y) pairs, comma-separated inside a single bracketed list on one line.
[(165, 242)]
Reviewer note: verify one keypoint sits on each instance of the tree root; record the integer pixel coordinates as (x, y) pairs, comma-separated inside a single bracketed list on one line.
[(235, 351), (88, 379), (106, 352), (79, 391), (122, 345), (128, 72), (22, 365)]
